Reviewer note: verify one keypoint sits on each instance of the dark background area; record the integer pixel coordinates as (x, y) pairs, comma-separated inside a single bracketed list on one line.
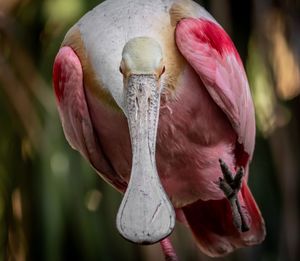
[(52, 204)]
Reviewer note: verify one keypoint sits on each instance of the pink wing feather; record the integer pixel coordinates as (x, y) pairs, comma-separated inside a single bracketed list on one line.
[(74, 114), (211, 53)]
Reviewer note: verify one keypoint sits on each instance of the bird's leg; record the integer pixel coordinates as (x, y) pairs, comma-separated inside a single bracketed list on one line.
[(231, 186), (168, 249)]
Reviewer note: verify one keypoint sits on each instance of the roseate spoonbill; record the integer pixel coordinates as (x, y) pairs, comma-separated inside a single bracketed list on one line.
[(154, 95)]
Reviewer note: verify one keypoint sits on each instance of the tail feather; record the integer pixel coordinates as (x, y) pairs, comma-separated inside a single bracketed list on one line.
[(212, 224)]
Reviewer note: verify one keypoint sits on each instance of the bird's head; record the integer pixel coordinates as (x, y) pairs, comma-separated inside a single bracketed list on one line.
[(146, 214), (142, 56), (142, 67)]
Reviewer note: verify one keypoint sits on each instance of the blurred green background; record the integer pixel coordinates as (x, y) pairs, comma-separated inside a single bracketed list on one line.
[(52, 204)]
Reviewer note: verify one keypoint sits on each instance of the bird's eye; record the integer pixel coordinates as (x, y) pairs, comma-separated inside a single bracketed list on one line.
[(162, 71), (120, 69)]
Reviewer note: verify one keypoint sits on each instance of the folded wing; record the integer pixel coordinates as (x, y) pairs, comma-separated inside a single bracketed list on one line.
[(211, 53), (74, 114)]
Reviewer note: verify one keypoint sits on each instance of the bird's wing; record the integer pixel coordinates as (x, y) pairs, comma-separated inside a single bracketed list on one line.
[(74, 114), (211, 53)]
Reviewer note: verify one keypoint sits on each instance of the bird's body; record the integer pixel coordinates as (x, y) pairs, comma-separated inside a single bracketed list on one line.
[(206, 112)]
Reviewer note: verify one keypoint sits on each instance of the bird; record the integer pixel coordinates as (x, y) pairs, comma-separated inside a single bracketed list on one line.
[(154, 95)]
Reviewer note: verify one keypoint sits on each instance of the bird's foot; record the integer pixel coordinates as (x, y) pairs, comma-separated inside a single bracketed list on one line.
[(168, 249), (231, 185)]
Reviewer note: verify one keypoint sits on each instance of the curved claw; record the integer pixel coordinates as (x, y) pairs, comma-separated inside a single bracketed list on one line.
[(237, 182), (226, 172)]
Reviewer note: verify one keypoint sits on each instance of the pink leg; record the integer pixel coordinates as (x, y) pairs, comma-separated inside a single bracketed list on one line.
[(168, 249)]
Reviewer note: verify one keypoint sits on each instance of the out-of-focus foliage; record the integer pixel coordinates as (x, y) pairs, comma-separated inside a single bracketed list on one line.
[(52, 204)]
